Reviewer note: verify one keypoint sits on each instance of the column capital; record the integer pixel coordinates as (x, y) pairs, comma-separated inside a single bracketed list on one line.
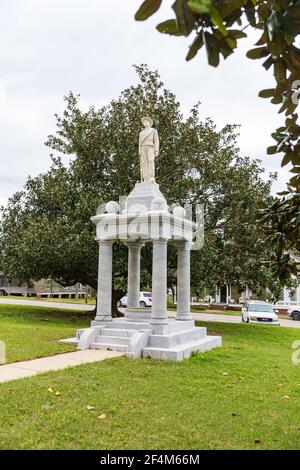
[(134, 244), (106, 242), (183, 244), (160, 241)]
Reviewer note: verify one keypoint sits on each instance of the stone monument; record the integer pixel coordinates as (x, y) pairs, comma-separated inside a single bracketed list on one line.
[(146, 218), (148, 150)]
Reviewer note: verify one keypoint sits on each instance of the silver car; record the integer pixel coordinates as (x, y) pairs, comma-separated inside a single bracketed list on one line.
[(255, 311)]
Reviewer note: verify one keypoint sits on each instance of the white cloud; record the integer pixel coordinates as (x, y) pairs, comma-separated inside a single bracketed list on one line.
[(53, 46)]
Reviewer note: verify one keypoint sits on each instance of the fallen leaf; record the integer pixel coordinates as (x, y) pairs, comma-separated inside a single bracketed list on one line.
[(50, 390), (90, 408), (102, 416), (225, 373), (286, 397), (46, 406), (57, 393)]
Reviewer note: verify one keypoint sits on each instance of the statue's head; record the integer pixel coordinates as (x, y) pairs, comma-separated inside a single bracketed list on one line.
[(147, 121)]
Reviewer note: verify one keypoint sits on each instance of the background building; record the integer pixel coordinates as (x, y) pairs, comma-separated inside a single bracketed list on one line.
[(12, 286)]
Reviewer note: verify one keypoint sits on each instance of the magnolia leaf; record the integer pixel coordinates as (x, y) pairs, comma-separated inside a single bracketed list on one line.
[(196, 45), (295, 169), (286, 159), (186, 19), (271, 150), (208, 7), (169, 27), (148, 8), (268, 93), (258, 53), (200, 6), (212, 46)]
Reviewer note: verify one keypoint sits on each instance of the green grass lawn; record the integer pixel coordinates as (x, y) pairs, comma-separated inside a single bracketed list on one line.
[(229, 398), (221, 312), (31, 332)]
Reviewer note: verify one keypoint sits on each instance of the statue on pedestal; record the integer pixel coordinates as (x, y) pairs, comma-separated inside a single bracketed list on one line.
[(148, 150)]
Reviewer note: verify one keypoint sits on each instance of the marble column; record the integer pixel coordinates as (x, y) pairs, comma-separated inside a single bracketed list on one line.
[(104, 293), (134, 262), (183, 282), (159, 320)]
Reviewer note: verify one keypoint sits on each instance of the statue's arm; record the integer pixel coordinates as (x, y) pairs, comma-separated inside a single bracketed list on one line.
[(156, 143)]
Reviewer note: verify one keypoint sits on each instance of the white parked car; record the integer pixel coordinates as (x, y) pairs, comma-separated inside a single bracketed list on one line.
[(255, 311), (294, 312), (145, 300)]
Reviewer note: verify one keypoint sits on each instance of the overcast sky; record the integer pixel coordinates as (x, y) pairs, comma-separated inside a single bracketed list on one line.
[(50, 47)]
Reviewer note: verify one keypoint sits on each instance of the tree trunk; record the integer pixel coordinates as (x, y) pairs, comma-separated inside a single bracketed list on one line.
[(116, 296)]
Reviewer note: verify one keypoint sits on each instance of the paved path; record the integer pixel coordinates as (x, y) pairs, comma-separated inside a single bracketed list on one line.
[(44, 303), (19, 370)]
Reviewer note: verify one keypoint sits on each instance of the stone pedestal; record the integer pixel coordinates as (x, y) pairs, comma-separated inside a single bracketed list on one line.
[(142, 198)]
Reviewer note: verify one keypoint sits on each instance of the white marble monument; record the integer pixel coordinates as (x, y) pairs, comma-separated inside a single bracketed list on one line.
[(148, 149), (146, 218)]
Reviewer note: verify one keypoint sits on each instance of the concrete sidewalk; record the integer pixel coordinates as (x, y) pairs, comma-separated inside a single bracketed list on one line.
[(19, 370), (44, 303)]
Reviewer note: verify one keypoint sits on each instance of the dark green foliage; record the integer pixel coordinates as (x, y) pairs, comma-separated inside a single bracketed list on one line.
[(277, 23)]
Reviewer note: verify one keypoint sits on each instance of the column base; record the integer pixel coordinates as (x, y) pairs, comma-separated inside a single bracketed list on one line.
[(138, 314), (100, 319), (183, 316), (160, 327)]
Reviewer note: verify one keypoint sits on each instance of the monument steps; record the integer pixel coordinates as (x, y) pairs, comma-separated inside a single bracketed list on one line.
[(122, 324), (102, 339), (110, 346), (118, 332), (183, 351)]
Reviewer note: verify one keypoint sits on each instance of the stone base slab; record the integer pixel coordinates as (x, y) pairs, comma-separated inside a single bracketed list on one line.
[(183, 351), (138, 314), (137, 339)]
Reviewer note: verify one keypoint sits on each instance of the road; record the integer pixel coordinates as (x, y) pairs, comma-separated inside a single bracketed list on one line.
[(237, 319), (44, 303), (196, 316)]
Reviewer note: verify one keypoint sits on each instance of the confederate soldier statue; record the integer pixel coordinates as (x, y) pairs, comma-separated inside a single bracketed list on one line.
[(148, 150)]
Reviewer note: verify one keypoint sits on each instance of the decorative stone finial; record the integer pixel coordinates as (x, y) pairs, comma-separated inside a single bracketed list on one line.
[(112, 207), (179, 212)]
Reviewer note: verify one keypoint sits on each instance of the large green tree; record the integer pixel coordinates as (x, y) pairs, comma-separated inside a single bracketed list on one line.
[(218, 26), (46, 229)]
